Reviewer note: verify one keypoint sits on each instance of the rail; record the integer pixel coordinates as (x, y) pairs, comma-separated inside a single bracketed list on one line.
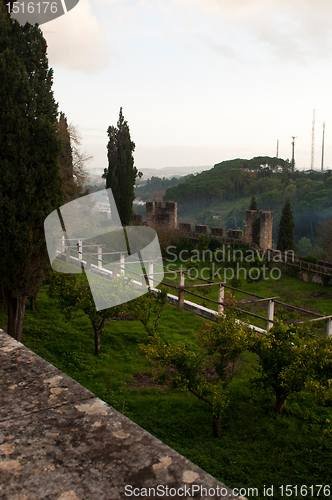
[(147, 277)]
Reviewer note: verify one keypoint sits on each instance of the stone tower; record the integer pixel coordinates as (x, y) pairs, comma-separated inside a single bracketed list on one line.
[(160, 213), (258, 230)]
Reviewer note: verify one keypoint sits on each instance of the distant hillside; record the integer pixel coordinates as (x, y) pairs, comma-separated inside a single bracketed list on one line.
[(156, 187), (169, 172), (220, 196)]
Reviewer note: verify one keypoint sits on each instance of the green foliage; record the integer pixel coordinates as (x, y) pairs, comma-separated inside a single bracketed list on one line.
[(68, 185), (148, 309), (310, 258), (29, 170), (325, 235), (226, 180), (286, 229), (205, 373), (253, 203), (304, 246), (73, 295), (146, 191), (289, 358), (257, 447), (121, 173)]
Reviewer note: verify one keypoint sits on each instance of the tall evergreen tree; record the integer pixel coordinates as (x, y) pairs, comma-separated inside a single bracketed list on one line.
[(121, 173), (29, 169), (253, 203), (286, 229), (72, 161), (68, 185)]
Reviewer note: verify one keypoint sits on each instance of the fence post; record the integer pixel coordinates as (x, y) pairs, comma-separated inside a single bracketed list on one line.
[(328, 328), (88, 262), (151, 274), (181, 290), (114, 271), (63, 243), (122, 264), (79, 246), (270, 314), (221, 295), (67, 255), (100, 253)]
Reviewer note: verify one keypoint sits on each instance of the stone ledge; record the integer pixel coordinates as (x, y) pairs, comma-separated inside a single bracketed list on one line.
[(59, 442)]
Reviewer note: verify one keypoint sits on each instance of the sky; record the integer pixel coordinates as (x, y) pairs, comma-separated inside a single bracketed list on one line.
[(199, 81)]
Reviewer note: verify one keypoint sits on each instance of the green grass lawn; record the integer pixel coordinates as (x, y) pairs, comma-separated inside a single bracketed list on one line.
[(257, 447)]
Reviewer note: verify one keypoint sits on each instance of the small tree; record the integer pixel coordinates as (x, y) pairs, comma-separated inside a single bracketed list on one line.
[(288, 359), (286, 229), (304, 246), (205, 373), (148, 310), (253, 203), (121, 173), (73, 295)]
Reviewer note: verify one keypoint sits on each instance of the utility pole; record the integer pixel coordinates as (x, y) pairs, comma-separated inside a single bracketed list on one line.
[(277, 155), (322, 167), (313, 141)]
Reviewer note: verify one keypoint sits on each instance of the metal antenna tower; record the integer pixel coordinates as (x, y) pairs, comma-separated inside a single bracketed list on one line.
[(293, 147), (277, 155), (313, 141), (322, 167)]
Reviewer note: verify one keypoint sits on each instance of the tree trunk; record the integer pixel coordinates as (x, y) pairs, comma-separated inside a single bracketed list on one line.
[(15, 311), (33, 301), (280, 399), (216, 426), (97, 342)]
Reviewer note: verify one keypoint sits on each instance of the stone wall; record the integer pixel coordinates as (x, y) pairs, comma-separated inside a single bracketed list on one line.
[(163, 214), (60, 442), (201, 229), (258, 230), (137, 219), (218, 231), (187, 227), (265, 230), (235, 234)]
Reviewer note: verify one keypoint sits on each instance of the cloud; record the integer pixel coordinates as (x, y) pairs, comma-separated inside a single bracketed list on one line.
[(76, 41), (287, 29)]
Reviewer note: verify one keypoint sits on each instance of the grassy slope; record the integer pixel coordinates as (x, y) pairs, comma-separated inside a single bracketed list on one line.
[(257, 447)]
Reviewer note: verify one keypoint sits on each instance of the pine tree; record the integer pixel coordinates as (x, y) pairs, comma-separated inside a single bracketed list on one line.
[(286, 229), (253, 203), (29, 170), (121, 173)]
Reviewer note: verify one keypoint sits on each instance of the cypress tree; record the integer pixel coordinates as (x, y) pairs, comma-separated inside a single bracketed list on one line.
[(68, 186), (29, 169), (121, 173), (286, 229), (253, 203)]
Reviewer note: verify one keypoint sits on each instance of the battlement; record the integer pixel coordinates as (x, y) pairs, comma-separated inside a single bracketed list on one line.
[(159, 213), (187, 227)]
